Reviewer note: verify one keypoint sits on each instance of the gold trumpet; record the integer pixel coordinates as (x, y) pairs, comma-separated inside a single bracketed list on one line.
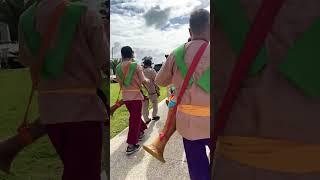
[(156, 148)]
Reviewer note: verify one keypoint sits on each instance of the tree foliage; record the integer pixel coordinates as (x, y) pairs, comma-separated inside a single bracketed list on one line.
[(10, 11), (114, 63)]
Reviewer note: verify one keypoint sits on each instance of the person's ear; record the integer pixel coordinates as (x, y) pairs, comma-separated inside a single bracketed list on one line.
[(190, 32)]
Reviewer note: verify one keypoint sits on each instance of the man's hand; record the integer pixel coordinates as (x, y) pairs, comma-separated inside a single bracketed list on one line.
[(146, 80)]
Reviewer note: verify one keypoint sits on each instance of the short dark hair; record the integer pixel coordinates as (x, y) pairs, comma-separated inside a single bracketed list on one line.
[(147, 63), (127, 52), (199, 21)]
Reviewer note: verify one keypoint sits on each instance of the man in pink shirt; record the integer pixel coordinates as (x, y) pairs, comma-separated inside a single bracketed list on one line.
[(152, 90), (193, 115), (130, 77), (68, 104)]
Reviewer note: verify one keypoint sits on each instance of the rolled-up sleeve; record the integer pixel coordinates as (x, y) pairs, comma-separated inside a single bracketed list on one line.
[(164, 77)]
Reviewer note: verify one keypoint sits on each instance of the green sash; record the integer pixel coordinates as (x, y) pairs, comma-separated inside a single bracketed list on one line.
[(235, 24), (55, 57), (301, 63), (301, 66), (204, 80), (127, 80)]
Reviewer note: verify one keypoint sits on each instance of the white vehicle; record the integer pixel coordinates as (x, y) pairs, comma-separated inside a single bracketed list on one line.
[(113, 77)]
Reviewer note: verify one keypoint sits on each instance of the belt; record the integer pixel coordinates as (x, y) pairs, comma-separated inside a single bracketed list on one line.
[(202, 111), (71, 91), (271, 154), (130, 90)]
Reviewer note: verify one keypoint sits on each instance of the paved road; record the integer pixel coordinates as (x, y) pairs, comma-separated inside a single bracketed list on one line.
[(141, 165)]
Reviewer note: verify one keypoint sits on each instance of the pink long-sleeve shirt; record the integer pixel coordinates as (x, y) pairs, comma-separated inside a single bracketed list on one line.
[(88, 55), (190, 127)]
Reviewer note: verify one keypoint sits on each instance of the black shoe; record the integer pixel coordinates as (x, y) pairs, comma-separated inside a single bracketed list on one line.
[(141, 136), (156, 118), (132, 149), (148, 121)]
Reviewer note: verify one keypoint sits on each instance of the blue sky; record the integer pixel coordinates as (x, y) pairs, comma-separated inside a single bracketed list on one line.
[(151, 27)]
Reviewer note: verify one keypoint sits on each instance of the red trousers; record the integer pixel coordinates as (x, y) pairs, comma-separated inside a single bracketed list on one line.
[(79, 146), (136, 125)]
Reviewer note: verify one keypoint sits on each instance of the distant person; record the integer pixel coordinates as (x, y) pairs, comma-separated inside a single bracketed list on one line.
[(130, 77), (69, 79), (193, 114), (153, 91)]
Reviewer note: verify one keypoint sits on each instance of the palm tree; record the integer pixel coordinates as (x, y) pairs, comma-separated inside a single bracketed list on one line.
[(114, 63), (10, 11)]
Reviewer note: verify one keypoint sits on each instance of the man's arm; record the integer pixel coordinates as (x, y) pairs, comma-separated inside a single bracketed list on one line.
[(98, 41), (24, 56), (141, 75), (153, 75), (164, 77)]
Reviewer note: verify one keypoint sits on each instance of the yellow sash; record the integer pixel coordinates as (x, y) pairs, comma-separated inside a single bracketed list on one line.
[(271, 154), (201, 111), (130, 90), (71, 91)]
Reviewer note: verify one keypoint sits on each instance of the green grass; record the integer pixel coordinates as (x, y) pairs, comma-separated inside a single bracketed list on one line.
[(38, 161), (120, 118)]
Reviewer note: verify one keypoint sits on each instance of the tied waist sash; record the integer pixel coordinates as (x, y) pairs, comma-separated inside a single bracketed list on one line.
[(194, 110), (91, 91), (271, 154)]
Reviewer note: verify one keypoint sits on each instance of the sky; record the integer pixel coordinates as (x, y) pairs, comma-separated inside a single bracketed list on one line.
[(151, 27)]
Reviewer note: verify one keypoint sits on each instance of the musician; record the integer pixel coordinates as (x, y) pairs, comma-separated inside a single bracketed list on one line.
[(273, 129), (193, 123), (130, 77), (68, 104), (152, 90)]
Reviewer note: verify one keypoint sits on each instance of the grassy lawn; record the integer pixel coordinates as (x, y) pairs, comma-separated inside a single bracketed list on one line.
[(120, 118), (38, 161)]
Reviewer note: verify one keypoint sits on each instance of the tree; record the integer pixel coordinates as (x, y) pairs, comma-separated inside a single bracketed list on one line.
[(114, 63), (10, 11)]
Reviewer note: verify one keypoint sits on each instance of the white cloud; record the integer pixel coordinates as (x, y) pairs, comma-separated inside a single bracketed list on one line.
[(151, 27)]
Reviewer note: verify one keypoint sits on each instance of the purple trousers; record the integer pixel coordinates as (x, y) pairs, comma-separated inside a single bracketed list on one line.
[(79, 147), (136, 125), (198, 161)]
